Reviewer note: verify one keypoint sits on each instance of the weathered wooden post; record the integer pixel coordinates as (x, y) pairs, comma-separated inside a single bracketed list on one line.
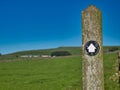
[(119, 66), (92, 60)]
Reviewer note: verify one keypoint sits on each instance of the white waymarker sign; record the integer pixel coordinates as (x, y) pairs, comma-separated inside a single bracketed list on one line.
[(91, 48)]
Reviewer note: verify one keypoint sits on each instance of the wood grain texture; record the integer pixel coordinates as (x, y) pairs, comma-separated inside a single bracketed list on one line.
[(92, 66)]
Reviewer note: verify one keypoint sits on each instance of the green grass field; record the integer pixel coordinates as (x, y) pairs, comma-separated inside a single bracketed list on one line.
[(60, 73)]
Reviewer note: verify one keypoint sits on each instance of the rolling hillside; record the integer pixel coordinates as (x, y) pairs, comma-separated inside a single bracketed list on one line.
[(72, 50)]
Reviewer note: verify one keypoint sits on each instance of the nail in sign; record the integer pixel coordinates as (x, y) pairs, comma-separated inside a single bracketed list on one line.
[(91, 48)]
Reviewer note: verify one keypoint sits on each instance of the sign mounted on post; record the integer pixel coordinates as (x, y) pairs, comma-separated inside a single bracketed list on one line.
[(92, 55), (91, 48)]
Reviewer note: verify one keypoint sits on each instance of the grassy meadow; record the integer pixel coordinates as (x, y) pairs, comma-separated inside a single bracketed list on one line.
[(58, 73)]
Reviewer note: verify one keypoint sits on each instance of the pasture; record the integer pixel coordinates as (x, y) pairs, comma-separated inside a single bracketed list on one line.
[(59, 73)]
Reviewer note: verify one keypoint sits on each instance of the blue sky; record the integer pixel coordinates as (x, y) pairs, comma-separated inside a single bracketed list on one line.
[(40, 24)]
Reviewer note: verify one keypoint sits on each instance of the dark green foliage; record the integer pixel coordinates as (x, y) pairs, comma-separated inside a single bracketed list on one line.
[(17, 56), (111, 49), (60, 53), (0, 54)]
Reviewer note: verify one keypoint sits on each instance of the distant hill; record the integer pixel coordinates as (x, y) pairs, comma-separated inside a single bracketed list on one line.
[(72, 50)]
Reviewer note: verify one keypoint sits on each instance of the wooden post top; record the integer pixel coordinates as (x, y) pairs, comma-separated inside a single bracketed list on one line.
[(91, 8)]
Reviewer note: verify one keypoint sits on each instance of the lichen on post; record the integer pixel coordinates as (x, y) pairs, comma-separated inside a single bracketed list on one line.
[(92, 65)]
